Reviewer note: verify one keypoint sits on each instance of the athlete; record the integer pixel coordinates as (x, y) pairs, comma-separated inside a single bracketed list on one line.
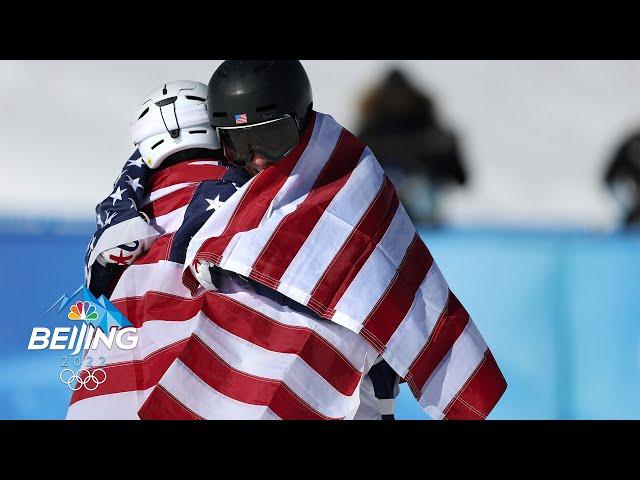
[(260, 110), (170, 128)]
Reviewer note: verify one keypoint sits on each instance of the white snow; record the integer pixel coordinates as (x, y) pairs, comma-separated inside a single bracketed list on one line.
[(536, 134)]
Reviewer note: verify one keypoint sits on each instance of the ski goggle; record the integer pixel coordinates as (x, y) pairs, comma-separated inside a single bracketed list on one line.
[(272, 140)]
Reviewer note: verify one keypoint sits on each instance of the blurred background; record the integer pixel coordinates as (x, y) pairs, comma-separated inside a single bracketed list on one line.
[(523, 176)]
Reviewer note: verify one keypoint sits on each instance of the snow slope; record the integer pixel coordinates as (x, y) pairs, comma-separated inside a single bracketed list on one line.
[(536, 134)]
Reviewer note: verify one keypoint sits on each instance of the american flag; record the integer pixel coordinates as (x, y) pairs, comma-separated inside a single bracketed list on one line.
[(325, 228), (118, 220), (241, 118)]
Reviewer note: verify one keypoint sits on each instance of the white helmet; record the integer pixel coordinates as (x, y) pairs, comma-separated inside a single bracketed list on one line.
[(173, 118)]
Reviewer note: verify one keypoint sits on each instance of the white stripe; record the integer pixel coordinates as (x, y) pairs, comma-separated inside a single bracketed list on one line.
[(207, 402), (163, 276), (333, 228), (163, 192), (376, 274), (245, 247), (454, 370), (170, 222), (113, 406), (289, 368), (413, 333)]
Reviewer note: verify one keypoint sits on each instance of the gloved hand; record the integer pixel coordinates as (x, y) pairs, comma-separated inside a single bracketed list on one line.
[(205, 274), (124, 254)]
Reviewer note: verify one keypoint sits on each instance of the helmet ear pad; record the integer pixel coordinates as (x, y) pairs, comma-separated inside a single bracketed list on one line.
[(155, 149)]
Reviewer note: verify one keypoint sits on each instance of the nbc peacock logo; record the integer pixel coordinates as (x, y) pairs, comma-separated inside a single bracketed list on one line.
[(83, 311)]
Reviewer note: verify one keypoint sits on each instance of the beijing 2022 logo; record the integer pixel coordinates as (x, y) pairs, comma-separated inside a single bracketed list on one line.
[(96, 326)]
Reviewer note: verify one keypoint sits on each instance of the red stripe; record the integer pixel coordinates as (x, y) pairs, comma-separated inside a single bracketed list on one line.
[(267, 333), (294, 228), (184, 172), (256, 200), (241, 386), (159, 250), (361, 243), (396, 301), (171, 202), (480, 394), (450, 325), (161, 405), (252, 326), (158, 305), (131, 376)]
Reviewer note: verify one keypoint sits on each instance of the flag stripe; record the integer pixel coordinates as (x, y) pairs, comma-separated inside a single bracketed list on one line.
[(294, 229), (413, 333), (169, 222), (332, 230), (169, 203), (128, 376), (453, 372), (161, 405), (378, 271), (396, 301), (113, 406), (198, 397), (247, 388), (158, 251), (360, 244), (263, 331), (163, 192), (249, 358), (140, 278), (181, 173), (449, 327), (481, 392)]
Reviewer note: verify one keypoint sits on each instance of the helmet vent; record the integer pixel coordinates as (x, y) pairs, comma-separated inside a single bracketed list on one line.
[(192, 97), (166, 101), (266, 108), (197, 131), (146, 110), (155, 145)]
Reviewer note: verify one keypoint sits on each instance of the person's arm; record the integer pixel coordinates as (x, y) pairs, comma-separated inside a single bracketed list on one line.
[(385, 385)]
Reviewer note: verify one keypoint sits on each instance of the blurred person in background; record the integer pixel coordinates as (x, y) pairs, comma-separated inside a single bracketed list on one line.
[(623, 178), (419, 155)]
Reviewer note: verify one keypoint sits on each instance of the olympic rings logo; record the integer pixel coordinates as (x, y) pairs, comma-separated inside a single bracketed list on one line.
[(75, 380)]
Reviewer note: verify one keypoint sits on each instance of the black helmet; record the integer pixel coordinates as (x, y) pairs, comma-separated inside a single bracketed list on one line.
[(254, 91)]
